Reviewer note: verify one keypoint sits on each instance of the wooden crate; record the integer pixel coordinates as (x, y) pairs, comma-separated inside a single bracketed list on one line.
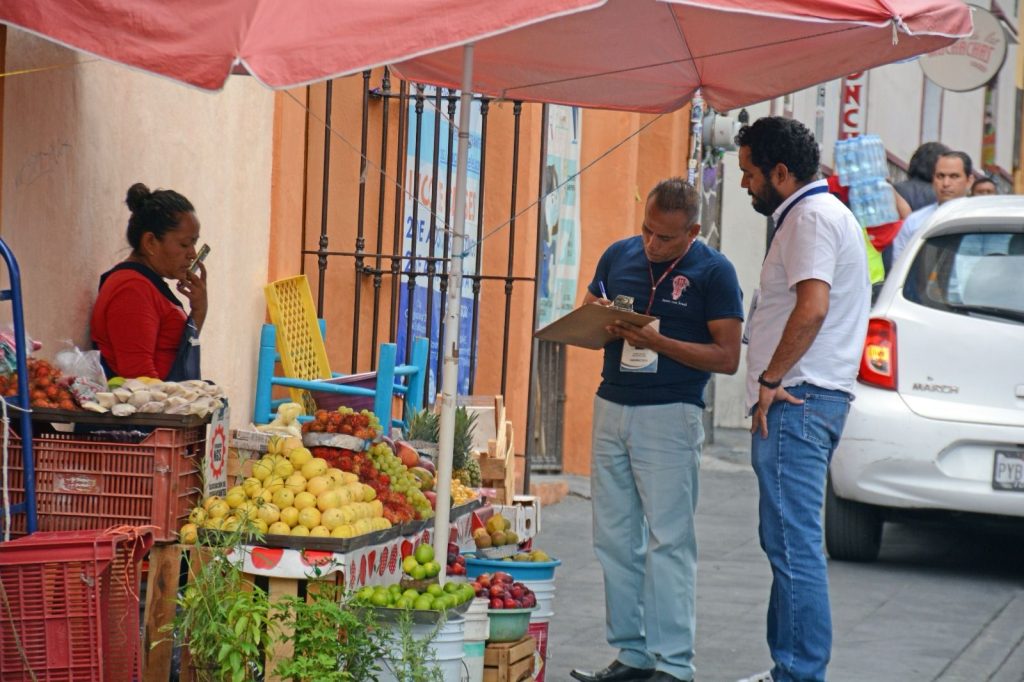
[(498, 471), (509, 661)]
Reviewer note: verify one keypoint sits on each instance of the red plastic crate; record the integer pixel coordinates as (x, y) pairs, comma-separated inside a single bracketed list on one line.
[(69, 607), (86, 482)]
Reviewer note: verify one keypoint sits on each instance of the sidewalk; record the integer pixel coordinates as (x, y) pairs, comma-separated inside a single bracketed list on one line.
[(925, 611)]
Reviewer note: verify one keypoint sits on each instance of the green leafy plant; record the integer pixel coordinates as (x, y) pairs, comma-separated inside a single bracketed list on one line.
[(415, 661), (224, 620), (331, 640)]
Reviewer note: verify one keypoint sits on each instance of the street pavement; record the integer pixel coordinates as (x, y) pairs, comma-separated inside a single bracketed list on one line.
[(942, 604)]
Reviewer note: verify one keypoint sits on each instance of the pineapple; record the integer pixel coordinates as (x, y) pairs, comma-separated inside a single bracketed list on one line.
[(424, 426), (470, 476), (464, 465)]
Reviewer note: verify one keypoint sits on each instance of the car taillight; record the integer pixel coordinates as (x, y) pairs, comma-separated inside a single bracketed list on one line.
[(878, 362)]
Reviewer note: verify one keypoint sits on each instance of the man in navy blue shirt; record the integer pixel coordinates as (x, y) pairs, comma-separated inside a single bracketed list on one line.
[(647, 432)]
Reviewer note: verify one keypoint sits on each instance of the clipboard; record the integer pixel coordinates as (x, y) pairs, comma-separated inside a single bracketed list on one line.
[(585, 326)]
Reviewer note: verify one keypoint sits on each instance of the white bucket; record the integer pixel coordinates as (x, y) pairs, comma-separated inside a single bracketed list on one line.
[(476, 632), (446, 647), (544, 590)]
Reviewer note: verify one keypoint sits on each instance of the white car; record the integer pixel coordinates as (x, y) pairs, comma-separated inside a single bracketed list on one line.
[(938, 419)]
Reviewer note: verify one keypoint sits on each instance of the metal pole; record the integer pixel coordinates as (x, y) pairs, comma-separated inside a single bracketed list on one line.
[(450, 375)]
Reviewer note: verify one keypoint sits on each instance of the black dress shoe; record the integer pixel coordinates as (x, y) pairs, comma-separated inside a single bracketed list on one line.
[(616, 672)]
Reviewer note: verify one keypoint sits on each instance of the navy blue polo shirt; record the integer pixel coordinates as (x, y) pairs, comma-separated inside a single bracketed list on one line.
[(701, 288)]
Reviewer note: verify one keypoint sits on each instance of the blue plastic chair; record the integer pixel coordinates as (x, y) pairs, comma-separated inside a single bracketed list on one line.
[(405, 380)]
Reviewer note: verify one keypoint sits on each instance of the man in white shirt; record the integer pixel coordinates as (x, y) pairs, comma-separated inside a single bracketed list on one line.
[(952, 180), (806, 332)]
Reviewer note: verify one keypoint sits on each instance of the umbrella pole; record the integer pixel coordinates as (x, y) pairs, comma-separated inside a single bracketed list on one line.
[(450, 371)]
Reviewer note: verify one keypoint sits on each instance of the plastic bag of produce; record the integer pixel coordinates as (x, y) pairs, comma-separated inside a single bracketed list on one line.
[(84, 372)]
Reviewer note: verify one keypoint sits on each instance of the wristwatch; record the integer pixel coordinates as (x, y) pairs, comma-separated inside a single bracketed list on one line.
[(768, 384)]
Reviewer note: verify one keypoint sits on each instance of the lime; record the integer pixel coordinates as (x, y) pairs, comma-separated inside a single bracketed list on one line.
[(411, 593), (409, 563), (424, 553), (405, 603), (365, 594), (451, 587), (379, 599), (431, 568), (396, 588), (435, 590), (418, 572), (424, 603)]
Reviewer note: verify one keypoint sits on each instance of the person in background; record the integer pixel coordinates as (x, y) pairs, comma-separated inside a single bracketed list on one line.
[(984, 186), (648, 434), (952, 180), (917, 189), (138, 324), (805, 334)]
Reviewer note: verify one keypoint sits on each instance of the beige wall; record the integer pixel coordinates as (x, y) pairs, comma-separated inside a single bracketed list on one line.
[(76, 138)]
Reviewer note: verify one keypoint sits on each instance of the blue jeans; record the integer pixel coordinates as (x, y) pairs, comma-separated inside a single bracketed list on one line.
[(644, 487), (791, 465)]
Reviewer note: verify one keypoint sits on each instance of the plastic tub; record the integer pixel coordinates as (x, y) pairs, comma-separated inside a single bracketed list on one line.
[(509, 625), (544, 590), (520, 570), (476, 631)]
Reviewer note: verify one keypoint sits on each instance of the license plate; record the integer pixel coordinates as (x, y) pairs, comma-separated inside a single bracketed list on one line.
[(1008, 473)]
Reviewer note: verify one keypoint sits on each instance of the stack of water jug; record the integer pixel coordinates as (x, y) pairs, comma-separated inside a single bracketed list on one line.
[(861, 165)]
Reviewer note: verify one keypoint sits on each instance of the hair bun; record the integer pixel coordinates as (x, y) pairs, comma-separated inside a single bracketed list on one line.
[(137, 196)]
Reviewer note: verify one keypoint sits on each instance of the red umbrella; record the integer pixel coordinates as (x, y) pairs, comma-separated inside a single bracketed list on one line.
[(651, 55), (283, 43)]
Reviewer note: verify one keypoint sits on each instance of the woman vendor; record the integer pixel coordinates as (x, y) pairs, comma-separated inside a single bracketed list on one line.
[(139, 326)]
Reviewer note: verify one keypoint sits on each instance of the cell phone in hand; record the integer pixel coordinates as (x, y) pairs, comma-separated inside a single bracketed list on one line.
[(204, 251)]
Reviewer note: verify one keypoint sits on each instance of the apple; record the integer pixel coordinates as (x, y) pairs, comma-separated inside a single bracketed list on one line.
[(516, 592), (432, 498), (501, 577), (497, 603), (510, 603), (428, 464), (497, 591), (529, 601)]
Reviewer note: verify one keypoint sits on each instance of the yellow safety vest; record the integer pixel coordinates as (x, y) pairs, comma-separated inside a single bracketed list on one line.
[(876, 268)]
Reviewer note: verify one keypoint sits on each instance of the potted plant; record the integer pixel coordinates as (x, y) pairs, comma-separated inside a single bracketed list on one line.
[(331, 640), (223, 620)]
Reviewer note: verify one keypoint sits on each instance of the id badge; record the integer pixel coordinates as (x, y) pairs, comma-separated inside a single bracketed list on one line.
[(750, 316), (644, 361)]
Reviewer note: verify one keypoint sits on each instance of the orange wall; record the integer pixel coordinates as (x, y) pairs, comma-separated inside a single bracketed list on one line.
[(611, 193)]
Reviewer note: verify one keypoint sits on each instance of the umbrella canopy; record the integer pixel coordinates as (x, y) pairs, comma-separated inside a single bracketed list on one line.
[(283, 43), (651, 55), (638, 55)]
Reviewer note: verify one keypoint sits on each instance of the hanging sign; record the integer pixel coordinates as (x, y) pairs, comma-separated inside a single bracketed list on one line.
[(853, 109), (970, 62)]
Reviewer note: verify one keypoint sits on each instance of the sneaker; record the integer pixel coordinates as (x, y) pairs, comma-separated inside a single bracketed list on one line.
[(766, 676)]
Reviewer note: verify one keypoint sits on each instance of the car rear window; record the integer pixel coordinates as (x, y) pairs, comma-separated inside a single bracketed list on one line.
[(974, 273)]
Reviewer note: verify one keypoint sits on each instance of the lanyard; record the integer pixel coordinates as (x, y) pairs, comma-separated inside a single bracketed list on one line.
[(654, 285), (778, 225)]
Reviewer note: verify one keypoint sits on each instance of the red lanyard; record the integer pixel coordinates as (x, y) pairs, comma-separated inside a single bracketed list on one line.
[(654, 285)]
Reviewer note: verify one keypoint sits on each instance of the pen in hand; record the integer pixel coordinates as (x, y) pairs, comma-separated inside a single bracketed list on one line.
[(604, 294)]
